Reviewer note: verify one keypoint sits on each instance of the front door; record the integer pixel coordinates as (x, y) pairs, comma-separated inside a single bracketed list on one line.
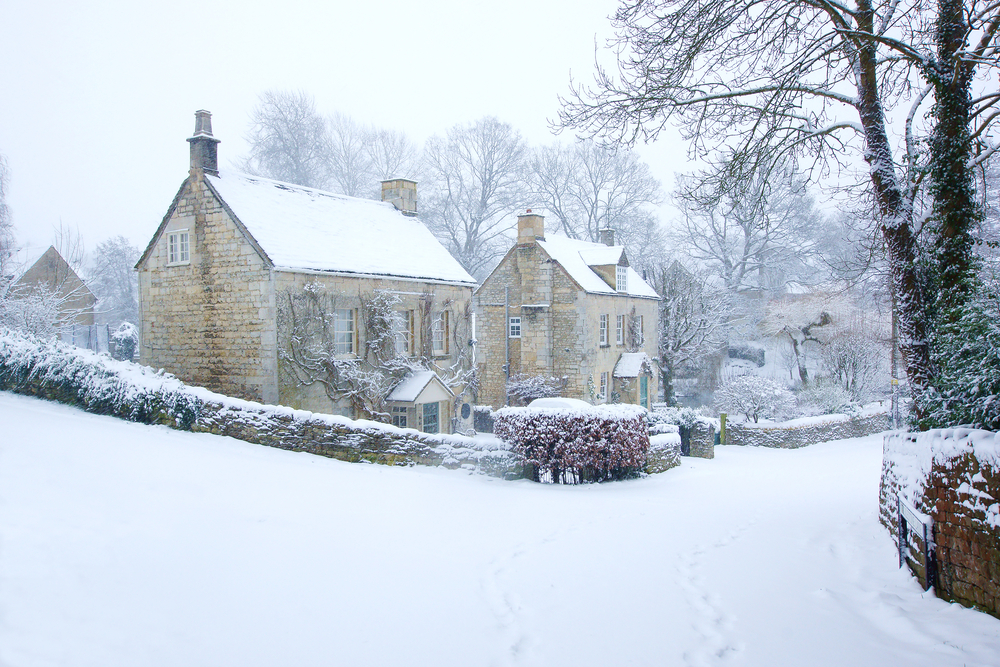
[(430, 418), (644, 391)]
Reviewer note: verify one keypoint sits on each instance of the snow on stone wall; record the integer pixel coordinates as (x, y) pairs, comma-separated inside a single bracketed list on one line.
[(808, 431), (99, 384), (953, 476)]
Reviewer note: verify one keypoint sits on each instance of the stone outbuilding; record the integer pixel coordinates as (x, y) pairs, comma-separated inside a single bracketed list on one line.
[(284, 294), (52, 274), (567, 309)]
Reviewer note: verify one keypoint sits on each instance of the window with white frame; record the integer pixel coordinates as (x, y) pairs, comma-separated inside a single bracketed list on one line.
[(620, 330), (621, 278), (604, 386), (514, 327), (399, 416), (604, 330), (639, 335), (439, 333), (178, 247), (343, 331), (403, 331)]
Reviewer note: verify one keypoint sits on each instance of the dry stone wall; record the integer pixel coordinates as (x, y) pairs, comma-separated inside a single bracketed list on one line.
[(784, 436)]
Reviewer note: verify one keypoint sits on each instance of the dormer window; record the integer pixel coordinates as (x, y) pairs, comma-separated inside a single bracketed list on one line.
[(621, 278)]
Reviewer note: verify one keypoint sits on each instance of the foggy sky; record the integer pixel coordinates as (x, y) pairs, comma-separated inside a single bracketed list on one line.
[(98, 100)]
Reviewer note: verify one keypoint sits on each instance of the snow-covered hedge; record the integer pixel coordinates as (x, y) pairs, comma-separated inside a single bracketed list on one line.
[(566, 445), (96, 383), (952, 476), (99, 384)]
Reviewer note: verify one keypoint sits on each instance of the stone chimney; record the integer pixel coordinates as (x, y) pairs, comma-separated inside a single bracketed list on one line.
[(530, 226), (608, 236), (204, 153), (401, 193)]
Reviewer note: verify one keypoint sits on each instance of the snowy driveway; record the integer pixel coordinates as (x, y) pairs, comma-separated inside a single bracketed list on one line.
[(123, 544)]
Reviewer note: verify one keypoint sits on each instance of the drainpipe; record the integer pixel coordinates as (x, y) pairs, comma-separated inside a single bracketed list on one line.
[(506, 338)]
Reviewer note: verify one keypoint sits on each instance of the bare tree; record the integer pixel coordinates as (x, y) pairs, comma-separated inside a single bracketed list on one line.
[(393, 155), (7, 240), (289, 140), (477, 179), (772, 80), (115, 282), (760, 236), (69, 244), (351, 167), (692, 315), (589, 188)]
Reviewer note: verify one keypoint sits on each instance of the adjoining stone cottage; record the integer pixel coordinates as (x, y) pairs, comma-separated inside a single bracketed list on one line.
[(568, 309), (283, 294)]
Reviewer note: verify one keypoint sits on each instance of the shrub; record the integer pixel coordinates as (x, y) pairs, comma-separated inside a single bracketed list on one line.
[(826, 399), (570, 446), (748, 352), (527, 388), (96, 383), (125, 341), (754, 396)]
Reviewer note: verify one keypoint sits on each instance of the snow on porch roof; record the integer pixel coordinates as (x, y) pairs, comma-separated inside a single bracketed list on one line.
[(573, 255), (303, 228), (410, 387), (630, 364)]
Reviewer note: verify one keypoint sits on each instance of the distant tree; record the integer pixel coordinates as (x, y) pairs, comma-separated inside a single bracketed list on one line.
[(7, 240), (393, 155), (754, 396), (692, 316), (69, 244), (758, 235), (289, 140), (477, 177), (351, 167), (587, 188), (114, 281), (855, 357), (801, 322)]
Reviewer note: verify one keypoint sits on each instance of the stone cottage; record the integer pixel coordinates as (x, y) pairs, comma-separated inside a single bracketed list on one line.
[(285, 294), (570, 310), (53, 274)]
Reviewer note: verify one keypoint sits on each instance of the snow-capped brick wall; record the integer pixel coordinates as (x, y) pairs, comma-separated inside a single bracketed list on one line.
[(953, 476), (571, 445), (806, 431), (102, 385)]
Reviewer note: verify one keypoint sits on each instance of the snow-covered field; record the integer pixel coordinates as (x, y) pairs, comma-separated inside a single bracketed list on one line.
[(122, 544)]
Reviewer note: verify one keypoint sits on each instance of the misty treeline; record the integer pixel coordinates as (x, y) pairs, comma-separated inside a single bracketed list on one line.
[(908, 87), (473, 178)]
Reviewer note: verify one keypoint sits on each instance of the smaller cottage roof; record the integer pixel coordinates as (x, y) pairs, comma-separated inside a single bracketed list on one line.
[(632, 364), (410, 387), (576, 257)]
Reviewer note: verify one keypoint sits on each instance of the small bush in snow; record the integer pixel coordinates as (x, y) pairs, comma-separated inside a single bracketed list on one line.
[(527, 388), (826, 399), (754, 396), (573, 446), (125, 340), (683, 417)]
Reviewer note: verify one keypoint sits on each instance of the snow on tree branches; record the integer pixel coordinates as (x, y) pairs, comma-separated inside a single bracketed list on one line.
[(754, 396)]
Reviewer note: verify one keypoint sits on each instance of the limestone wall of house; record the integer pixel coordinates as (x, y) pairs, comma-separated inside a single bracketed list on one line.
[(423, 300), (560, 327), (210, 321)]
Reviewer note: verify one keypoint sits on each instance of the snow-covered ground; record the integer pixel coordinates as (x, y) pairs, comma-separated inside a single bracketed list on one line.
[(123, 544)]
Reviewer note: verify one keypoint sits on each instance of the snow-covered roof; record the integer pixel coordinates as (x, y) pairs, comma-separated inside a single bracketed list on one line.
[(630, 364), (573, 256), (410, 387), (303, 228)]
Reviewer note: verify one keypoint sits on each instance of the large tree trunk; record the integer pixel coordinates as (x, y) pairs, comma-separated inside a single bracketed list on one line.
[(895, 211)]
